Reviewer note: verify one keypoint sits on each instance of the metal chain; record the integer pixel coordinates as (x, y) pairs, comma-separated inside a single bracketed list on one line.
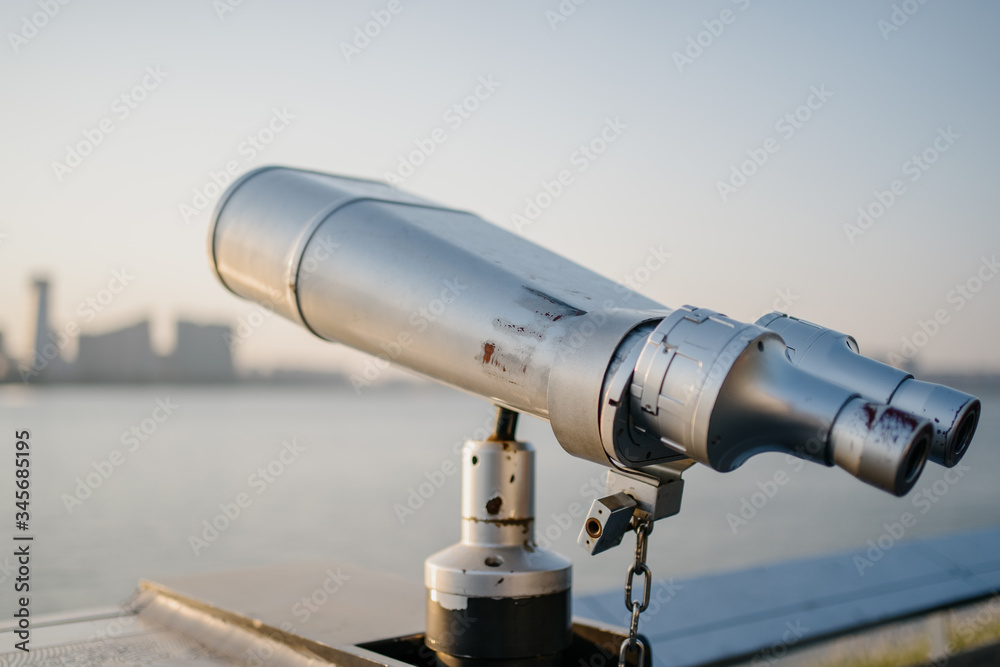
[(643, 527)]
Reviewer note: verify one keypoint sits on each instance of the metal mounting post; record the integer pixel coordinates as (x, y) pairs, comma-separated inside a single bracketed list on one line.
[(496, 595)]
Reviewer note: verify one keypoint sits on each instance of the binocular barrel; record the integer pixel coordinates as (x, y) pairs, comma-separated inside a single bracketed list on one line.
[(432, 289), (953, 414), (623, 380)]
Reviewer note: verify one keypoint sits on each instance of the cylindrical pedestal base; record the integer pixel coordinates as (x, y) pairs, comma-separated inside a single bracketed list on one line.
[(506, 629), (496, 599)]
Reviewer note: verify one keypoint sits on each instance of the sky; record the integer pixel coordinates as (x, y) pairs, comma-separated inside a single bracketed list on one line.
[(836, 161)]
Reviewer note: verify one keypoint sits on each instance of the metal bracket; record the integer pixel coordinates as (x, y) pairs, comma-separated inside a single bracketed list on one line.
[(653, 492)]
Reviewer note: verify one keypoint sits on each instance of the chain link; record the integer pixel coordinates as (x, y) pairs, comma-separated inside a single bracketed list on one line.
[(643, 527)]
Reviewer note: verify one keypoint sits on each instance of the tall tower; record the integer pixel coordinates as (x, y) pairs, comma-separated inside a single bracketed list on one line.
[(4, 361), (39, 361)]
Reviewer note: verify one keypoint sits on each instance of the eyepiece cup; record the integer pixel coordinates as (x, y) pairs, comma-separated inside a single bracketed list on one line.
[(954, 416), (881, 445)]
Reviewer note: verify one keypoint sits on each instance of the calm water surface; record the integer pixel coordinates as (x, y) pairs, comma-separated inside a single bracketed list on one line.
[(357, 461)]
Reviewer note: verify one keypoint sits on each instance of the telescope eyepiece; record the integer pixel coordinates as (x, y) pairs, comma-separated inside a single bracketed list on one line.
[(834, 355), (954, 415), (881, 445)]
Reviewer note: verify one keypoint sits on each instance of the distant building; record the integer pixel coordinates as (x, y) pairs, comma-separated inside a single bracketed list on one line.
[(6, 363), (125, 355), (202, 354)]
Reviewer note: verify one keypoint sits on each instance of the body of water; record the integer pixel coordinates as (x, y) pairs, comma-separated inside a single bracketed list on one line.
[(123, 481)]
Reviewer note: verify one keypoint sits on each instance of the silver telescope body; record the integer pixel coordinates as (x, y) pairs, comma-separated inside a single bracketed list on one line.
[(624, 381)]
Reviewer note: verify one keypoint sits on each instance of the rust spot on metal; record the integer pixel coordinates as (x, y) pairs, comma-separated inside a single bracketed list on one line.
[(900, 419), (524, 523), (502, 362), (493, 506), (869, 414), (892, 423)]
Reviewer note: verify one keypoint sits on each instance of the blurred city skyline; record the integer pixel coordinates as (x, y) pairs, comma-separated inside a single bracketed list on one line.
[(832, 161), (63, 351)]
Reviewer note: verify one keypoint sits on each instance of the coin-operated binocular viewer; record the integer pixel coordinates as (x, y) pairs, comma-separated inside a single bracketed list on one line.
[(624, 381)]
